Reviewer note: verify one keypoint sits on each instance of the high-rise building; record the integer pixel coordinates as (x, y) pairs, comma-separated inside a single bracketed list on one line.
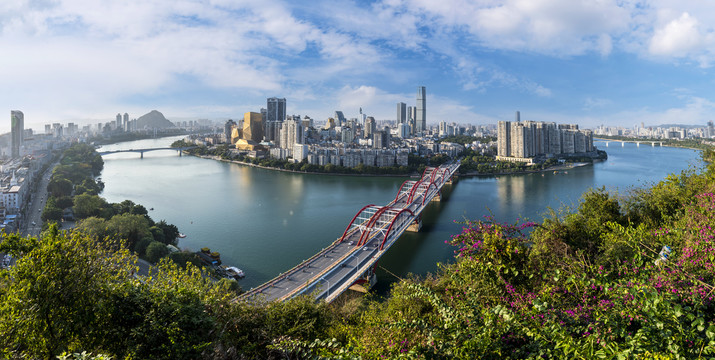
[(17, 127), (275, 115), (340, 118), (504, 138), (118, 123), (228, 130), (369, 127), (711, 130), (421, 110), (48, 129), (253, 126), (401, 113), (380, 139), (291, 134)]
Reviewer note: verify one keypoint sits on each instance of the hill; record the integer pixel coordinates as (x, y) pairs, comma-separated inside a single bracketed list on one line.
[(153, 120)]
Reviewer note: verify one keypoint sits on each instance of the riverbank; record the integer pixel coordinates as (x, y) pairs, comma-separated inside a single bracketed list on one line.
[(218, 158), (522, 172), (412, 175)]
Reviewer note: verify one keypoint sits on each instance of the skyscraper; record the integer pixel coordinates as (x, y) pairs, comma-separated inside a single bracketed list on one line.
[(17, 124), (275, 115), (421, 116), (118, 123), (339, 117), (401, 113)]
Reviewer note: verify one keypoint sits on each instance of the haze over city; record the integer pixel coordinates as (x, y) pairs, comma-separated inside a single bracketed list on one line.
[(584, 62)]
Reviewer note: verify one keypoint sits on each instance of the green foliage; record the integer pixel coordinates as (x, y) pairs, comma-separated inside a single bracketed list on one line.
[(51, 212), (466, 139), (86, 205), (59, 187), (155, 251)]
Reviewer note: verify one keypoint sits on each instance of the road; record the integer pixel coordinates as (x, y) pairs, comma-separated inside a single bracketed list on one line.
[(34, 208)]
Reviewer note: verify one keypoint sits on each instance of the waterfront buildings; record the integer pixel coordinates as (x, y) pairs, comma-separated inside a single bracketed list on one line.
[(524, 140), (17, 124)]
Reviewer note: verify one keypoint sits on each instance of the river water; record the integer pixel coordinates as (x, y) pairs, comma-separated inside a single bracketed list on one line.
[(266, 221)]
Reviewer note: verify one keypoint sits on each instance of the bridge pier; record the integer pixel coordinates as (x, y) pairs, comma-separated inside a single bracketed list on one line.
[(453, 179), (438, 197), (368, 280), (415, 226)]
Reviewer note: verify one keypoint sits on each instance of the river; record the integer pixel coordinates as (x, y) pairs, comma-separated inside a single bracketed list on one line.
[(266, 221)]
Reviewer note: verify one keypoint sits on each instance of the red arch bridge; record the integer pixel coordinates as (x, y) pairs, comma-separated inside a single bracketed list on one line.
[(351, 258)]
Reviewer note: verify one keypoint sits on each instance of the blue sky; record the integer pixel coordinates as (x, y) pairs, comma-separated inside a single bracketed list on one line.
[(589, 62)]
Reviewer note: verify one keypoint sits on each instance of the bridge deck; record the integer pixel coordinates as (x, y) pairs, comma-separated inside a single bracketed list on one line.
[(335, 268)]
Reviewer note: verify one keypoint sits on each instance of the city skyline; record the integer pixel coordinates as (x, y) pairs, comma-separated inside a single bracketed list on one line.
[(611, 63)]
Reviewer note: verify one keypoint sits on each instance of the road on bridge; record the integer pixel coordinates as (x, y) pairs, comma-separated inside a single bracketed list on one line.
[(373, 230)]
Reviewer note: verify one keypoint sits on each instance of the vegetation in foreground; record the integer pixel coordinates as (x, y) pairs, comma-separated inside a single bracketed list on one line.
[(591, 283)]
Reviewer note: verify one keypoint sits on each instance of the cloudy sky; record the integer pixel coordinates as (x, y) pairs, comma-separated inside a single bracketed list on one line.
[(591, 62)]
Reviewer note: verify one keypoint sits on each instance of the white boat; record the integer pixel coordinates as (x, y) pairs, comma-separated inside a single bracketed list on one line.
[(181, 236), (235, 272)]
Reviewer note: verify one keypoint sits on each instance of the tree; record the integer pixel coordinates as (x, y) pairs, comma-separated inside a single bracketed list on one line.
[(51, 212), (171, 232), (157, 234), (155, 251), (86, 205), (51, 300), (59, 187), (129, 227)]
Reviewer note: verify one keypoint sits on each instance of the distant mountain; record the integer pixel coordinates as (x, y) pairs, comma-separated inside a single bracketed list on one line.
[(153, 120)]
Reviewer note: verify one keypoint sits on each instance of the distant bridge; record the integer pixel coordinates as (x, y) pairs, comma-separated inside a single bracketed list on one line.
[(142, 151), (351, 259)]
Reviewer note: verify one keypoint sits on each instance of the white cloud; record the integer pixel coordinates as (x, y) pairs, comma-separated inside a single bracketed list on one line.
[(677, 38), (558, 27)]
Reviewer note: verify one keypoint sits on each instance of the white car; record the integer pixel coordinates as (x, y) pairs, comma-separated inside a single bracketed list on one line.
[(34, 223), (365, 248)]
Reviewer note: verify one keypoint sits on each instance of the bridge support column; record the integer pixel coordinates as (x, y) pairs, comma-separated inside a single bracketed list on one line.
[(142, 154), (452, 180), (438, 197), (415, 226), (368, 280)]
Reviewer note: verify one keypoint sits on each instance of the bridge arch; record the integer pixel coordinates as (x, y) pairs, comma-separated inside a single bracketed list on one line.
[(427, 190), (413, 191), (370, 225), (347, 229), (404, 188), (408, 214)]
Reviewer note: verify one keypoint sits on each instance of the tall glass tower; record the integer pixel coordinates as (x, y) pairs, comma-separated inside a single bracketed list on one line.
[(421, 119), (275, 115)]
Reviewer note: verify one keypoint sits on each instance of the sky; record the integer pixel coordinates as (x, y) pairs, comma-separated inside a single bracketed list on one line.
[(589, 62)]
